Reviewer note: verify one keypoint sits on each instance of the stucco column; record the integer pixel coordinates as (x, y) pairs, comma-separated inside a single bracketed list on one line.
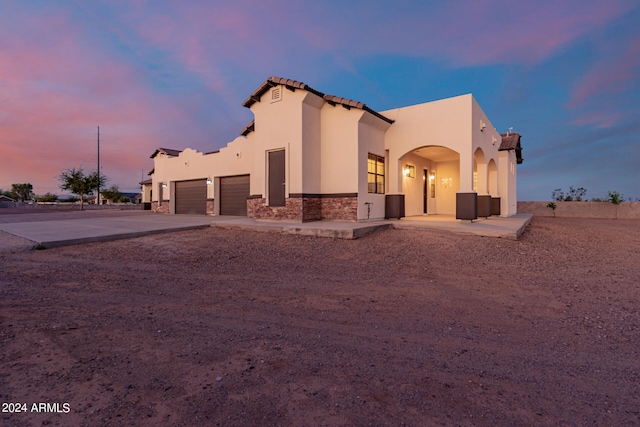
[(481, 168), (395, 173), (466, 172)]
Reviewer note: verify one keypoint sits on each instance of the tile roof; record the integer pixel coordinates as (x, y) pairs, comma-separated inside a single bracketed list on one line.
[(511, 141), (274, 81), (146, 182), (350, 103), (294, 84), (251, 127), (168, 151)]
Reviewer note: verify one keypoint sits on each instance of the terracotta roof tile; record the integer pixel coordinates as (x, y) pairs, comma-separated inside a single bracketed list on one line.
[(350, 103), (249, 128), (294, 84), (274, 81), (511, 141), (168, 151)]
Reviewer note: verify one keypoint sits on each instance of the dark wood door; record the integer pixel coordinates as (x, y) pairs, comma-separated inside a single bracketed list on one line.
[(425, 192), (276, 178)]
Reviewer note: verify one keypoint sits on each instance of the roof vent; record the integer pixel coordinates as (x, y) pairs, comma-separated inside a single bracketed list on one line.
[(276, 94)]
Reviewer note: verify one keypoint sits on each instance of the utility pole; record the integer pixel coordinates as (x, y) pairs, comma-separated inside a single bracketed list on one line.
[(98, 196)]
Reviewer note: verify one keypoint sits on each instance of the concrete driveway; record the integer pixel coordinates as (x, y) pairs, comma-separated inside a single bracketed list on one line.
[(59, 228)]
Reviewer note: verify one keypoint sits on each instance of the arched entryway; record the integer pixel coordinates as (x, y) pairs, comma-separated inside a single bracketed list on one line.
[(430, 179), (479, 172), (492, 170)]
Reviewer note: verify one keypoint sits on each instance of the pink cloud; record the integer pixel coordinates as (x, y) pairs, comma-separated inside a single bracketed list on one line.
[(611, 75), (498, 31), (56, 88), (599, 119)]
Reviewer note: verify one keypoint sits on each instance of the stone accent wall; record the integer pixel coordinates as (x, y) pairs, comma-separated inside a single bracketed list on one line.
[(303, 209), (163, 208), (340, 208), (210, 206), (311, 209), (292, 211)]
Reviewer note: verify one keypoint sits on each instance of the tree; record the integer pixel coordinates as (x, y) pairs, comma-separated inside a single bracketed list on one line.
[(49, 197), (113, 194), (557, 195), (22, 192), (77, 182), (577, 194), (574, 194), (615, 197)]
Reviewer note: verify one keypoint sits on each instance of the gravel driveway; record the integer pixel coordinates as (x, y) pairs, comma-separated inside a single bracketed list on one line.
[(401, 327)]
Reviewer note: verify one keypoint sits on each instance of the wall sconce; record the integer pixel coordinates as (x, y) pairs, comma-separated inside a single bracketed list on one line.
[(209, 182), (410, 171), (164, 185)]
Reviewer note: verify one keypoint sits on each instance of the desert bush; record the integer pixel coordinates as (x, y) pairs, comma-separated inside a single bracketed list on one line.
[(615, 197)]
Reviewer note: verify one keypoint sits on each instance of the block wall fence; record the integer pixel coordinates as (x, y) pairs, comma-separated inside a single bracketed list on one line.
[(625, 210)]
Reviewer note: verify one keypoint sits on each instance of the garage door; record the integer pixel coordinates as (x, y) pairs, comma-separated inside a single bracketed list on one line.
[(191, 197), (234, 191)]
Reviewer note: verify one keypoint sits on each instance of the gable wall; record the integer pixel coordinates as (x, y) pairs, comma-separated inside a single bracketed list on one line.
[(278, 126)]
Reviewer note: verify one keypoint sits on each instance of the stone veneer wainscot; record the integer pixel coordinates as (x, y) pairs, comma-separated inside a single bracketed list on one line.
[(306, 207)]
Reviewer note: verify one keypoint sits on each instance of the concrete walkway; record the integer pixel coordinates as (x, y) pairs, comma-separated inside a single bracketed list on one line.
[(506, 228), (335, 229), (51, 229)]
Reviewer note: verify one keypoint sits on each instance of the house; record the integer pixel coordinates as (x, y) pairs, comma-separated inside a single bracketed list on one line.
[(309, 156)]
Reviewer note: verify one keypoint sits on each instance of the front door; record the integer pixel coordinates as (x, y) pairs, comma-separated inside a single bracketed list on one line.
[(276, 178), (425, 192)]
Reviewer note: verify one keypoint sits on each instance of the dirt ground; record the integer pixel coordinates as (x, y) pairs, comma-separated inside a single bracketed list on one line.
[(402, 327)]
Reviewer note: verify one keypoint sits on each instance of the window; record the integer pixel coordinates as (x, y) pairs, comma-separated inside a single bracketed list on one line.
[(375, 169)]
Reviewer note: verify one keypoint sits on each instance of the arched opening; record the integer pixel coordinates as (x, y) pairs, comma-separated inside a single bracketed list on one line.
[(480, 172), (430, 177), (493, 178)]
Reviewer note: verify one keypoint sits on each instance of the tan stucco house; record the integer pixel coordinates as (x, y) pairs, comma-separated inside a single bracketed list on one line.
[(309, 156)]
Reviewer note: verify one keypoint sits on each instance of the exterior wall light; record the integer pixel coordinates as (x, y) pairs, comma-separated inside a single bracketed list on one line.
[(209, 182), (164, 185), (410, 171)]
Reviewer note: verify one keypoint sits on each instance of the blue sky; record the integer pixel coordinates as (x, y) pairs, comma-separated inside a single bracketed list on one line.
[(174, 74)]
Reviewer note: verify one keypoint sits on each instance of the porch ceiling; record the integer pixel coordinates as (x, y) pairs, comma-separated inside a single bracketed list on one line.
[(437, 154)]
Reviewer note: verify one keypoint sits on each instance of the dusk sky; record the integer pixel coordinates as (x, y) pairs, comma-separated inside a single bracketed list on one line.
[(174, 74)]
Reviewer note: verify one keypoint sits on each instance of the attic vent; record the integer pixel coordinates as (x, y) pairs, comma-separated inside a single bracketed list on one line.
[(276, 94)]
